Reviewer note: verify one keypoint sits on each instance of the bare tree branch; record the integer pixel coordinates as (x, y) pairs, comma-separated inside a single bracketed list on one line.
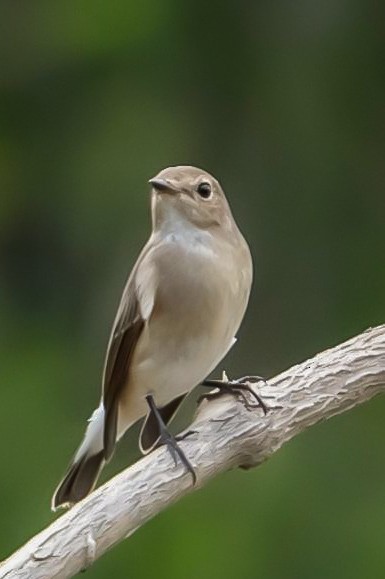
[(226, 435)]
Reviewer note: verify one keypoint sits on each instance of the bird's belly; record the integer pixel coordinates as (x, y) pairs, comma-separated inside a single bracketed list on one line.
[(174, 366), (173, 356)]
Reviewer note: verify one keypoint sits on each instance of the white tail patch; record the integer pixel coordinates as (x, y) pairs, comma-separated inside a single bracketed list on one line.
[(93, 439)]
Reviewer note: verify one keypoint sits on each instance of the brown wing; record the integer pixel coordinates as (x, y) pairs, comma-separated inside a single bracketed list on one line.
[(125, 334)]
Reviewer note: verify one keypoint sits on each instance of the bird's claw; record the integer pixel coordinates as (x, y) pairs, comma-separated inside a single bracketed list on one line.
[(237, 388)]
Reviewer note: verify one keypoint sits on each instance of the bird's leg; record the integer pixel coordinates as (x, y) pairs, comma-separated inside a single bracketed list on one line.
[(169, 440), (237, 388)]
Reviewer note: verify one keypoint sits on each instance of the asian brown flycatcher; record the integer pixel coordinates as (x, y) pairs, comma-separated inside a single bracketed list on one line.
[(180, 310)]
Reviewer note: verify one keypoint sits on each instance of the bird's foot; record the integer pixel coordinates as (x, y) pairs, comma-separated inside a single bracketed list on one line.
[(236, 388), (169, 440), (175, 450), (184, 435)]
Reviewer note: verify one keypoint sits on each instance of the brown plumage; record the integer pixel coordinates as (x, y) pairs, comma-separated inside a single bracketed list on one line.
[(179, 312)]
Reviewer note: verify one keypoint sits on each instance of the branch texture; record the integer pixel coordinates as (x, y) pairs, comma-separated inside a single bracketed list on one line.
[(226, 435)]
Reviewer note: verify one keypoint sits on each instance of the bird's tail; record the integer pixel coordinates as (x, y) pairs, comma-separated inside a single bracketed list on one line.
[(84, 470)]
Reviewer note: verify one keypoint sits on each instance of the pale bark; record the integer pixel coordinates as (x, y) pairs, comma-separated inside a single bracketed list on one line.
[(227, 435)]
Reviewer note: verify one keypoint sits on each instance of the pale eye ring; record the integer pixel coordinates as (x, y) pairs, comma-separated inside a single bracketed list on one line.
[(204, 190)]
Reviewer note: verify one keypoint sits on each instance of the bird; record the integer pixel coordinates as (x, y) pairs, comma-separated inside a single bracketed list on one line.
[(178, 316)]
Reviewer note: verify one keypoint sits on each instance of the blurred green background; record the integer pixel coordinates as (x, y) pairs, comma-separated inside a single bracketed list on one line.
[(285, 103)]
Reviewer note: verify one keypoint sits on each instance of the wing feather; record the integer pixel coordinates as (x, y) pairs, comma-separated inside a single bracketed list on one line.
[(135, 308), (125, 335)]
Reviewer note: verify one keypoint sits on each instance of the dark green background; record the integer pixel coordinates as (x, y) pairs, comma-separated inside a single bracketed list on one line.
[(285, 103)]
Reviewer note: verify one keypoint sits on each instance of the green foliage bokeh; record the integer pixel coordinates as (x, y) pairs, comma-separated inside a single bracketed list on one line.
[(284, 103)]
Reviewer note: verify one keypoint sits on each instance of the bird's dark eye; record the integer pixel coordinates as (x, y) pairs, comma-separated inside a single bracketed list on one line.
[(204, 189)]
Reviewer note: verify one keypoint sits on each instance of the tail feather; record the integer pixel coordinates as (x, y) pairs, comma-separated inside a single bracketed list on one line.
[(79, 480), (84, 470)]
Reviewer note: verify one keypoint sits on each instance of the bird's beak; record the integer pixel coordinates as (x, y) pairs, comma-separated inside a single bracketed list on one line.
[(162, 185)]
